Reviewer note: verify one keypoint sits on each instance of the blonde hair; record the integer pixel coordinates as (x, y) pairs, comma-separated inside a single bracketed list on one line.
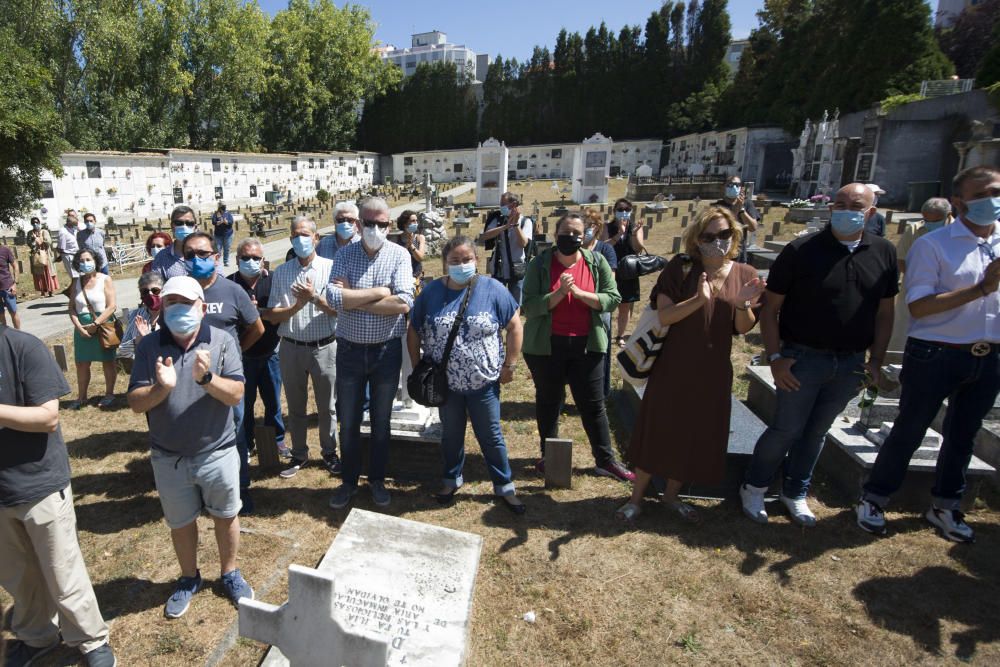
[(591, 217), (702, 220)]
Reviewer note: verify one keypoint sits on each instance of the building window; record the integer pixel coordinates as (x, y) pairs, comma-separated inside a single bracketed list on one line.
[(458, 167), (295, 165), (93, 170), (352, 171), (407, 161), (216, 164)]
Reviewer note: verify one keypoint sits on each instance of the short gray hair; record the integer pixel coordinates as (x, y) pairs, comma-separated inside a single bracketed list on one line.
[(150, 278), (375, 205), (347, 207), (938, 205), (299, 219), (248, 241)]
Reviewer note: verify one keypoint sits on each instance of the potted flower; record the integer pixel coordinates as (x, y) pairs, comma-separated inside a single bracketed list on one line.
[(112, 191), (819, 200), (97, 191)]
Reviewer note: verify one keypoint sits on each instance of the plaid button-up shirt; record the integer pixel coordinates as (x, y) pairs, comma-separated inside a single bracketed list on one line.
[(309, 324), (390, 267)]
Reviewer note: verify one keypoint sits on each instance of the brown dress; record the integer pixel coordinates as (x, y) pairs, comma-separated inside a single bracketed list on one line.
[(682, 430)]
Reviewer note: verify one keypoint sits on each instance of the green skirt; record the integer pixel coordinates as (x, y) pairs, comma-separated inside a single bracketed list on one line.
[(89, 349)]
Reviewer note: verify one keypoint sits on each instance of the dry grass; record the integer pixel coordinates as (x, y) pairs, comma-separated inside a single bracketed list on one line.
[(724, 592)]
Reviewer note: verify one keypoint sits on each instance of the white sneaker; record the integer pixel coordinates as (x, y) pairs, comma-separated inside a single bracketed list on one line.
[(951, 524), (799, 509), (870, 517), (753, 502)]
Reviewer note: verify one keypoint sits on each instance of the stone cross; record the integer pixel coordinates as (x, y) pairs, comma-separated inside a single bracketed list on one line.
[(304, 628)]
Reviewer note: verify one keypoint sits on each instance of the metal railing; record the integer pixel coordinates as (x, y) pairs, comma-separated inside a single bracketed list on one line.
[(124, 254)]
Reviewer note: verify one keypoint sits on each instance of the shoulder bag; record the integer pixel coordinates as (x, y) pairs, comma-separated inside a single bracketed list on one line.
[(108, 333), (634, 266), (517, 269), (428, 383)]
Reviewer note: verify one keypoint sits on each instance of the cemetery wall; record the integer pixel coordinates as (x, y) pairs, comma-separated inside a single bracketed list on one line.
[(739, 152), (149, 183)]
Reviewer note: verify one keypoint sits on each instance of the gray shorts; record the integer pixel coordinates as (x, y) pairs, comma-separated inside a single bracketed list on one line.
[(188, 484)]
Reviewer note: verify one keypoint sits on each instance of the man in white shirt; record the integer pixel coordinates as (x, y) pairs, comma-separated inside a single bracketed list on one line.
[(512, 233), (67, 243), (308, 349), (953, 352)]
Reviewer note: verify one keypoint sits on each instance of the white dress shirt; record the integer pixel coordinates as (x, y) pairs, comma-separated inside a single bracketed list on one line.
[(946, 260)]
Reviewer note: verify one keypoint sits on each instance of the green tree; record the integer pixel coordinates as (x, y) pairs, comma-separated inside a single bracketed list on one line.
[(29, 128), (989, 67), (968, 40)]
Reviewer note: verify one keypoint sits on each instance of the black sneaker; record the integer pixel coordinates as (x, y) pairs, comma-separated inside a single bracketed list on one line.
[(332, 464), (22, 655), (294, 466)]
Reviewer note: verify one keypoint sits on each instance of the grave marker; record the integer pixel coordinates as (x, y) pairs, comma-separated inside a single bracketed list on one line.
[(558, 463), (59, 351), (684, 221), (676, 247), (267, 446)]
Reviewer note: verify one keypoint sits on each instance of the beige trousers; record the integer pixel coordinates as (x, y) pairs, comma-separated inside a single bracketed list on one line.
[(43, 570)]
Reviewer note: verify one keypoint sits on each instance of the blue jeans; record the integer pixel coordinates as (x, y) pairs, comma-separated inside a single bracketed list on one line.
[(802, 418), (223, 242), (514, 287), (377, 365), (241, 447), (483, 409), (930, 374), (263, 376)]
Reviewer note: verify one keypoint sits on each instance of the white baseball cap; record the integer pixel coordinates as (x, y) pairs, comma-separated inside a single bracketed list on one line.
[(184, 286), (875, 188)]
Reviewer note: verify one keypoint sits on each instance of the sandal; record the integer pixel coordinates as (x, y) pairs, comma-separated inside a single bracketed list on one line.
[(628, 512), (685, 511)]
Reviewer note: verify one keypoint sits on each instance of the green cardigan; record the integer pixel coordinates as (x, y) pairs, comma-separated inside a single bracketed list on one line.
[(535, 303)]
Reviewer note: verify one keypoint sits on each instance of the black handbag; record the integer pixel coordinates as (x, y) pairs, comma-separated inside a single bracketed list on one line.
[(517, 269), (634, 266), (428, 383)]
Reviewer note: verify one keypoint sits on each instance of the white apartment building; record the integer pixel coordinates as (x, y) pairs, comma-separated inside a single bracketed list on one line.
[(431, 47)]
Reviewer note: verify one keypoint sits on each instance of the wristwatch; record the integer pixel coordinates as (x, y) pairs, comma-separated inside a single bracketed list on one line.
[(510, 366), (745, 306), (205, 379), (773, 357)]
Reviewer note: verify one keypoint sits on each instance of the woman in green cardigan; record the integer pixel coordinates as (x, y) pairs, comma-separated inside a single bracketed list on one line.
[(566, 289)]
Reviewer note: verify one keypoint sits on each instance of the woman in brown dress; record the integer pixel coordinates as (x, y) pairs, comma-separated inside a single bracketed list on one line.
[(683, 426), (40, 245)]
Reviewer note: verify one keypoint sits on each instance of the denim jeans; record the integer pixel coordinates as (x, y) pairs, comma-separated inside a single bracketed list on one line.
[(483, 409), (263, 376), (930, 374), (514, 287), (378, 365), (570, 362), (829, 380), (223, 242), (242, 449)]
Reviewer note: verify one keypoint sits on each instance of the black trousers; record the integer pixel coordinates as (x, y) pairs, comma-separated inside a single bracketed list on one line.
[(571, 363)]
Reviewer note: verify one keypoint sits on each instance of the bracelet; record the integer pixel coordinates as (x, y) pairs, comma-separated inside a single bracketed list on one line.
[(510, 366)]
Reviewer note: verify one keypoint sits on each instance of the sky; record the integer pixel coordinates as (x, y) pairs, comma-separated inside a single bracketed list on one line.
[(513, 27)]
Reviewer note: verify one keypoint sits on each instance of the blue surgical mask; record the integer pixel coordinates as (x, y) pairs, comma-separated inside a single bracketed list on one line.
[(505, 211), (732, 191), (87, 267), (182, 232), (462, 273), (588, 235), (412, 227), (90, 226), (182, 318), (154, 251), (345, 230), (983, 211), (847, 223), (249, 267), (932, 226), (200, 268), (622, 215), (303, 246)]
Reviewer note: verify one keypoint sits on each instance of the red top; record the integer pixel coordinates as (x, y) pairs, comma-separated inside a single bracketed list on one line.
[(571, 317)]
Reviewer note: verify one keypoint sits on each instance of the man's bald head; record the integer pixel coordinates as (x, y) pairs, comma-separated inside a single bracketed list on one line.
[(854, 197)]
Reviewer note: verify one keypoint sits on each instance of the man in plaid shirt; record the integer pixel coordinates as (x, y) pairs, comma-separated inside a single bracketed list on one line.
[(371, 287)]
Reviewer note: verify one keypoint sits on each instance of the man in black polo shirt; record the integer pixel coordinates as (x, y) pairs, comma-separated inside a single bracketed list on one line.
[(834, 293), (735, 199), (40, 561)]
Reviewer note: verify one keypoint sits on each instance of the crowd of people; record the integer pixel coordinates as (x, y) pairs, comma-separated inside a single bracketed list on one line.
[(201, 346)]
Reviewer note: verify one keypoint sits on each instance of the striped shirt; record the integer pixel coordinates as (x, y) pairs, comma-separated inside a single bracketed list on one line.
[(328, 245), (310, 323), (390, 267)]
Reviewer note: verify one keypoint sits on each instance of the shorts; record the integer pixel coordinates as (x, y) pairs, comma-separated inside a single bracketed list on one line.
[(188, 484), (8, 302)]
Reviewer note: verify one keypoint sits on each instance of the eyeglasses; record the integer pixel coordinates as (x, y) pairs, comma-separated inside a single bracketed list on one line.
[(149, 290), (201, 254), (376, 223), (245, 258), (724, 235)]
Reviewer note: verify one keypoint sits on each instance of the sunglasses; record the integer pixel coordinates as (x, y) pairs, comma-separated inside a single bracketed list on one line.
[(201, 254), (161, 247), (376, 223), (724, 235), (245, 258), (343, 220), (149, 290)]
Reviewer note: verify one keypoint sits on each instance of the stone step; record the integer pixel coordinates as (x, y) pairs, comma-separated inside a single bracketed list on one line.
[(775, 246), (932, 439)]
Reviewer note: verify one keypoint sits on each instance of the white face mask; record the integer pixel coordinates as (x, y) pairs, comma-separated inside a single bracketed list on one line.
[(374, 237)]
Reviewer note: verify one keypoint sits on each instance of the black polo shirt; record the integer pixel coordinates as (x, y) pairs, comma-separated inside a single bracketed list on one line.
[(268, 342), (831, 294)]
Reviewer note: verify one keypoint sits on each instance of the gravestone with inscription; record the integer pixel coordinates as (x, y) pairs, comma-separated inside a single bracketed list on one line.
[(388, 592)]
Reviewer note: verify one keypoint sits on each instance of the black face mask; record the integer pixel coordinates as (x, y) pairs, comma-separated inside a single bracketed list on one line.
[(568, 244)]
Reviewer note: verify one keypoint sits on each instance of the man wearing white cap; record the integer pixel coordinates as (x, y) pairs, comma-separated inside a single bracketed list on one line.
[(876, 222), (187, 378)]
